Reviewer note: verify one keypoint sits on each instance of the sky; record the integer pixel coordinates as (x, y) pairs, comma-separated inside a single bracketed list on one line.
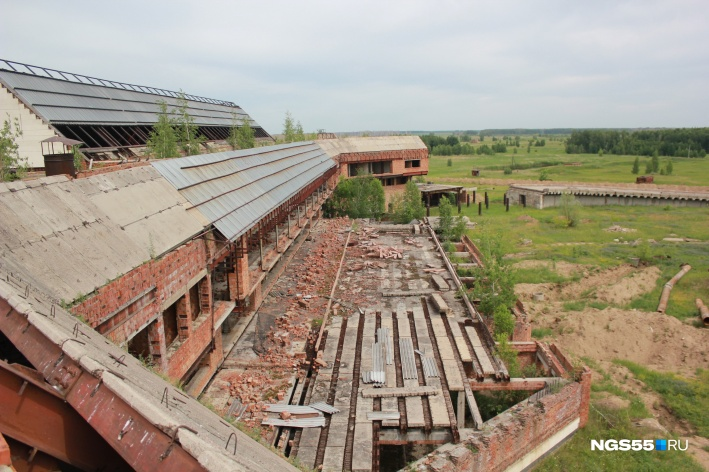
[(390, 65)]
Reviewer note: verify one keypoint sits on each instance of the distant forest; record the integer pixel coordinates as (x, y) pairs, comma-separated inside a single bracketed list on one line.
[(684, 142)]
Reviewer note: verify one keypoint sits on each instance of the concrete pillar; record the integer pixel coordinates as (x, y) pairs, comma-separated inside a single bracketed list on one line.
[(275, 232), (298, 216), (260, 251), (461, 410)]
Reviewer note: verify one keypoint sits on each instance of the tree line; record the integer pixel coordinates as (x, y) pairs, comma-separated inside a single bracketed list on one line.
[(681, 142), (452, 146)]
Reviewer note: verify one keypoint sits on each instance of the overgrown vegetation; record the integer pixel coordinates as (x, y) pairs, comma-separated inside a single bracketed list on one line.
[(162, 142), (408, 205), (241, 134), (12, 166), (187, 132), (362, 197), (449, 228), (688, 399)]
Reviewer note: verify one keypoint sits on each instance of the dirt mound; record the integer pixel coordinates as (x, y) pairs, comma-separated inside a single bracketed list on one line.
[(631, 286), (657, 341), (589, 282), (528, 219), (565, 269)]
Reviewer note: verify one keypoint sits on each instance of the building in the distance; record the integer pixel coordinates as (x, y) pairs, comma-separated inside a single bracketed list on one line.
[(112, 119), (392, 159)]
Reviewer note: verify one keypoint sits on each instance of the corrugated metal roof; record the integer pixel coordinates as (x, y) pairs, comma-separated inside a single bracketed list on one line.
[(318, 422), (65, 102), (294, 409), (131, 380), (236, 189), (324, 407), (408, 363)]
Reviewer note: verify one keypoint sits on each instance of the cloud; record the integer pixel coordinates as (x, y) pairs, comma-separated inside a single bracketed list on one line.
[(391, 65)]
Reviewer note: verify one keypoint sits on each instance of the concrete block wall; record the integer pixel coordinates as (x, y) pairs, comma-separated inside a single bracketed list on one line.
[(510, 436)]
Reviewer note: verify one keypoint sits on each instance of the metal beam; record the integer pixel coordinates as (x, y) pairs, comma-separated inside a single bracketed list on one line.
[(35, 414), (141, 443)]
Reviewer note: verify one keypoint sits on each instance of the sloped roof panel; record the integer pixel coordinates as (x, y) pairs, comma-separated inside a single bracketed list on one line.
[(66, 102), (234, 190), (73, 235)]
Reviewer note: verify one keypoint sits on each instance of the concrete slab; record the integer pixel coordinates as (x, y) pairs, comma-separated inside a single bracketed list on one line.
[(455, 381), (309, 438), (404, 327), (418, 313), (390, 404), (439, 283), (439, 303), (414, 412), (445, 349), (362, 447), (306, 455), (439, 411), (334, 458), (439, 329), (343, 393)]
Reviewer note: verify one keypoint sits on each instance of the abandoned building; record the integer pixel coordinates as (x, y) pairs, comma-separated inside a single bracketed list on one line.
[(112, 119), (127, 293), (549, 195), (394, 160)]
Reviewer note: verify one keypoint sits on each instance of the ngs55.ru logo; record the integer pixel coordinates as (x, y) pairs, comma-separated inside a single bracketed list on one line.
[(639, 445)]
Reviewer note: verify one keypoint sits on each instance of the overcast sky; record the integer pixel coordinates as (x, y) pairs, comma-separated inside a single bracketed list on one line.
[(391, 65)]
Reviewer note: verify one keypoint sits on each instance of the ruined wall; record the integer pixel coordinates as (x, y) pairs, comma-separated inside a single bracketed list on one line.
[(125, 306), (398, 158), (509, 437)]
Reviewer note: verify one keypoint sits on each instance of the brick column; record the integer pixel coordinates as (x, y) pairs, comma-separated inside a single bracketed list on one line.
[(241, 270), (156, 339), (184, 317), (585, 396)]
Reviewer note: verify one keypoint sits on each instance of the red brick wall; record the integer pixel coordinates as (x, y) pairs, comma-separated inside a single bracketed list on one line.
[(511, 435), (169, 275), (189, 350), (397, 158)]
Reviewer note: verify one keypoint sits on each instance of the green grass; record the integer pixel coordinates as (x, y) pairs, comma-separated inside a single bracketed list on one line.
[(576, 454), (688, 399), (539, 333), (574, 306), (552, 159)]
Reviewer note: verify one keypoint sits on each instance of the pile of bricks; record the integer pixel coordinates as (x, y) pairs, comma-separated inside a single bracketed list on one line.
[(285, 344)]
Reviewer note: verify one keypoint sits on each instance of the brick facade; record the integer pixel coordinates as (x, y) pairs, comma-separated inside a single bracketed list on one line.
[(398, 160), (511, 435)]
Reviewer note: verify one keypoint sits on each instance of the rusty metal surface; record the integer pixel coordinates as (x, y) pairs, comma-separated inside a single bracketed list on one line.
[(703, 311), (35, 414), (665, 296), (152, 425)]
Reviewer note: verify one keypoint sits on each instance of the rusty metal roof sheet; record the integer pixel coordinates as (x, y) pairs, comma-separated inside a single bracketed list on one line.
[(236, 189), (43, 332), (67, 98)]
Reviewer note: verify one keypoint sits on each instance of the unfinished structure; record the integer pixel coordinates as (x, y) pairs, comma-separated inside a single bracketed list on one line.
[(401, 362), (162, 259), (549, 195), (113, 119), (394, 160)]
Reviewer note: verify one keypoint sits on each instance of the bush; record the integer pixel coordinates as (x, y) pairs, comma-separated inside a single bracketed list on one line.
[(504, 320), (408, 206), (361, 197), (569, 209), (544, 175), (507, 170), (450, 162)]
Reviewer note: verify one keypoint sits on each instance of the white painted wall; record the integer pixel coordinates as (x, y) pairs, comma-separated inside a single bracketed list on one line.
[(33, 129)]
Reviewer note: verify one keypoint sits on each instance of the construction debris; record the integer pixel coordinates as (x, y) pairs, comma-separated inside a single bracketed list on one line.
[(703, 311)]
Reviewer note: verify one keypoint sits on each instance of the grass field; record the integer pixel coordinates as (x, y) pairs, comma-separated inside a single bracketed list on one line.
[(553, 159), (528, 233)]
